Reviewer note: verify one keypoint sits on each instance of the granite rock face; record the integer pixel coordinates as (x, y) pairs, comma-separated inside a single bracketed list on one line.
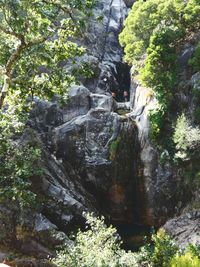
[(83, 144), (166, 189), (185, 229), (96, 151)]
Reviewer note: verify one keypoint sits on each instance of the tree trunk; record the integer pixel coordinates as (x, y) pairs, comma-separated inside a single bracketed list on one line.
[(9, 69), (4, 90)]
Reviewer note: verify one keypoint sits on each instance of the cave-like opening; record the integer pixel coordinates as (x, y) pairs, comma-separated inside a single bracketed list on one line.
[(122, 82)]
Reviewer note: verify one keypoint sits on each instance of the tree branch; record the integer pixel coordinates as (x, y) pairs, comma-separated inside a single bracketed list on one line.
[(9, 32), (13, 58), (64, 9)]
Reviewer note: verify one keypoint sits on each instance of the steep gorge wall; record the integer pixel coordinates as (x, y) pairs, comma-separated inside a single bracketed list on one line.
[(83, 144), (97, 154)]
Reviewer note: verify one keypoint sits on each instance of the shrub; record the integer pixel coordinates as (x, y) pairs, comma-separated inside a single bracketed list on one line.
[(18, 160), (186, 137), (195, 60), (155, 28), (98, 246), (95, 247), (164, 249), (186, 260), (195, 250)]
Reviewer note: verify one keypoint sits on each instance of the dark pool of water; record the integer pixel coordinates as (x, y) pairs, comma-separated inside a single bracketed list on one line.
[(134, 236)]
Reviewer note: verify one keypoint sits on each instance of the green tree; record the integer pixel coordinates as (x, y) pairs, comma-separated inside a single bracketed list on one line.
[(186, 138), (144, 18), (36, 34), (164, 249), (151, 38), (19, 160), (186, 260), (98, 246)]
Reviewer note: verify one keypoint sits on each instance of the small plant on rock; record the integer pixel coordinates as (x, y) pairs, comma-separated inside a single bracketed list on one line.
[(186, 137)]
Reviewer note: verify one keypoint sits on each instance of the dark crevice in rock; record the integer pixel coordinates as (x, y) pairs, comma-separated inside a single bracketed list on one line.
[(122, 76)]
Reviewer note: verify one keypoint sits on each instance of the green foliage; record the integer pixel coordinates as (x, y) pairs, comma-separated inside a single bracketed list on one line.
[(186, 138), (159, 73), (98, 246), (157, 122), (155, 28), (186, 260), (18, 164), (36, 36), (191, 13), (18, 160), (113, 148), (164, 249), (144, 19), (148, 17), (195, 250), (195, 60)]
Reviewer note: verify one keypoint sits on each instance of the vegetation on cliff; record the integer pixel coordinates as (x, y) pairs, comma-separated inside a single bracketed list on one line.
[(37, 40), (99, 246), (153, 33), (36, 37), (37, 59)]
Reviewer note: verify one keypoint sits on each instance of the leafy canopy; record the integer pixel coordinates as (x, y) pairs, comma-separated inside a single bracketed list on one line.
[(18, 160), (186, 137), (99, 246), (36, 37), (151, 38), (148, 17)]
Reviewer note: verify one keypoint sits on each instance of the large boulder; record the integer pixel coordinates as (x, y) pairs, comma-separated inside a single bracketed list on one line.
[(185, 229)]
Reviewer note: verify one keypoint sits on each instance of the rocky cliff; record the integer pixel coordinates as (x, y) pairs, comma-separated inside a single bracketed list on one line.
[(97, 154)]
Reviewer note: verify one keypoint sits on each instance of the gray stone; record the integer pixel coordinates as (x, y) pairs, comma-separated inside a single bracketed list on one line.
[(185, 229), (78, 103), (129, 3), (195, 80), (103, 101), (43, 224)]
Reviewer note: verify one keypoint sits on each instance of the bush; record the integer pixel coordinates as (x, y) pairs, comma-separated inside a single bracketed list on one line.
[(164, 249), (186, 137), (18, 160), (99, 246), (186, 260), (155, 28), (195, 250), (195, 60)]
